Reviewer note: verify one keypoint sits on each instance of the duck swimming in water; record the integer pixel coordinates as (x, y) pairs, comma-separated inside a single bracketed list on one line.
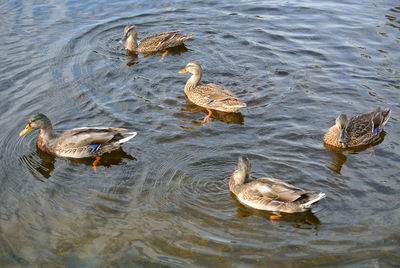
[(268, 193), (152, 43), (363, 129), (78, 142), (209, 96)]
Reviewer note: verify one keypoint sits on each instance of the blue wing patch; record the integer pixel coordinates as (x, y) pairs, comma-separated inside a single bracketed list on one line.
[(376, 130), (210, 100), (94, 147)]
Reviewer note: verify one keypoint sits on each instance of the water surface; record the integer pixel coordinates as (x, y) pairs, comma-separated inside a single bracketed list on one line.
[(163, 199)]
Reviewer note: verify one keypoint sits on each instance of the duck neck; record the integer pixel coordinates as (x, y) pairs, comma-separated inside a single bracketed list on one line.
[(44, 137), (192, 82), (332, 137), (236, 181), (131, 43)]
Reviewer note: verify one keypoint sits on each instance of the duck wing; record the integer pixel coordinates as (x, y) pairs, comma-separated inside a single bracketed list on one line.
[(270, 194), (215, 97), (365, 128), (161, 41), (282, 191), (91, 141)]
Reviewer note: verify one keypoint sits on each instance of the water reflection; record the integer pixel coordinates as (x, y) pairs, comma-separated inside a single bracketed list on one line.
[(132, 56), (109, 159), (43, 166), (230, 118), (339, 158), (301, 220), (392, 18), (43, 163)]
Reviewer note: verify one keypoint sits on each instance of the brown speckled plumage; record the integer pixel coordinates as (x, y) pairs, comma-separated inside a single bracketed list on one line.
[(269, 193), (152, 43), (363, 129), (209, 96)]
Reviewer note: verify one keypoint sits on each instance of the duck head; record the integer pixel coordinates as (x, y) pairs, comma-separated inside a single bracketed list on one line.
[(36, 121), (341, 124), (130, 30), (192, 67), (242, 172)]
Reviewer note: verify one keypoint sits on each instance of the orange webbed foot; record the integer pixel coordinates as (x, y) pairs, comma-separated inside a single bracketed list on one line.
[(205, 118), (275, 217), (95, 162), (163, 55)]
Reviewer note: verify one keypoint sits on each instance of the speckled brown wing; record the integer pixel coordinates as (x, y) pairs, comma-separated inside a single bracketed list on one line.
[(212, 96), (162, 41), (359, 130)]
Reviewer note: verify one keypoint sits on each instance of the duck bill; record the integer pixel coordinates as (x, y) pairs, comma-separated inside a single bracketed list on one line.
[(183, 71), (26, 130), (122, 41), (341, 136)]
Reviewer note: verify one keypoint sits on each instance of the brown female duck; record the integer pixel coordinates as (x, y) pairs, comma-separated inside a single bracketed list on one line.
[(269, 193), (359, 130), (78, 142), (152, 43), (209, 96)]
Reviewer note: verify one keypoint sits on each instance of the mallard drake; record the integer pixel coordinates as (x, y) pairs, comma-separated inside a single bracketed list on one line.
[(269, 193), (363, 129), (152, 43), (78, 142), (209, 96)]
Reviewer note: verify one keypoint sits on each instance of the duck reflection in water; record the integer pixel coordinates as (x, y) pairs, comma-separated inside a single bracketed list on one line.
[(230, 118), (132, 57), (302, 220), (44, 163), (339, 158), (109, 159)]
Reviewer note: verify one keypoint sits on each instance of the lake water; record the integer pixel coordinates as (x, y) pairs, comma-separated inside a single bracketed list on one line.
[(163, 199)]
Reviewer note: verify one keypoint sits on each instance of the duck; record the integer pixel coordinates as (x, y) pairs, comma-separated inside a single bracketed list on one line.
[(269, 193), (209, 96), (78, 142), (360, 130), (152, 43)]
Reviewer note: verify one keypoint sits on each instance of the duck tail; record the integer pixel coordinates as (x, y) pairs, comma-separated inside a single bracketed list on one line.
[(313, 198), (386, 115), (126, 136), (179, 37), (187, 36), (379, 119), (240, 105)]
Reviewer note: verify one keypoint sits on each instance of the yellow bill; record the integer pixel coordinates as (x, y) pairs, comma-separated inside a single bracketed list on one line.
[(26, 130), (183, 71)]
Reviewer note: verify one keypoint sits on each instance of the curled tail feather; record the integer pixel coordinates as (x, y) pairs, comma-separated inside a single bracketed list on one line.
[(313, 200), (126, 137)]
